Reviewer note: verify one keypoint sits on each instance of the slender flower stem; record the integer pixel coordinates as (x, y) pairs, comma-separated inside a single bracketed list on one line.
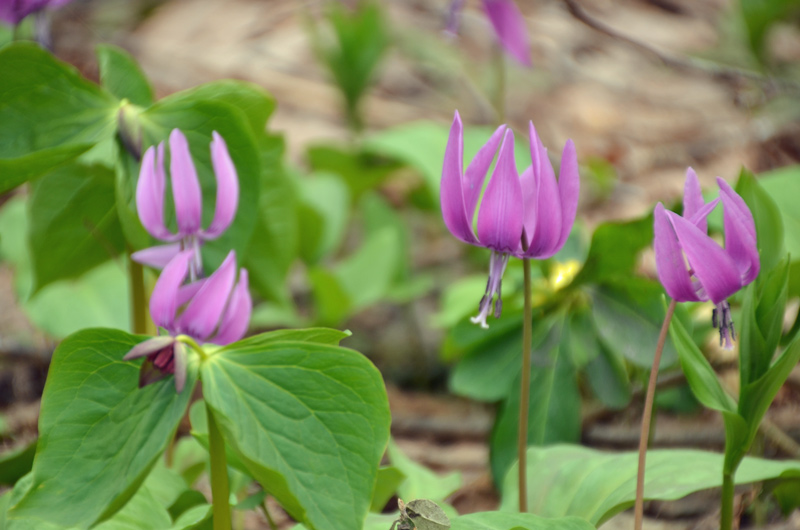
[(525, 385), (644, 437), (220, 492), (726, 517), (138, 297)]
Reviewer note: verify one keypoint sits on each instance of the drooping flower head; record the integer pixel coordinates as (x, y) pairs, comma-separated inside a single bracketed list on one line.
[(507, 22), (533, 208), (215, 309), (13, 11), (692, 266), (188, 200)]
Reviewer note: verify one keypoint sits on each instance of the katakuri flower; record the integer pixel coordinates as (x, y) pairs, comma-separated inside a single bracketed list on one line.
[(507, 22), (188, 200), (215, 309), (533, 208), (692, 266), (13, 11)]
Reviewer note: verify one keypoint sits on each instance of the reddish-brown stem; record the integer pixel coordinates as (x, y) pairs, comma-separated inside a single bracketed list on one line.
[(647, 415)]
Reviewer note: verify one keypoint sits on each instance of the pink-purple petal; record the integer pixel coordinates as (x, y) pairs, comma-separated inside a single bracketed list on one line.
[(500, 216), (157, 257), (187, 292), (227, 188), (710, 264), (150, 193), (164, 300), (475, 174), (201, 316), (451, 193), (547, 229), (185, 185), (693, 198), (740, 233), (148, 347), (237, 315), (670, 263), (569, 189), (509, 26)]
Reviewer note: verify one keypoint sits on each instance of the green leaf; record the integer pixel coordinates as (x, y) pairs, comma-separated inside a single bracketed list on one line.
[(489, 369), (49, 113), (99, 433), (331, 337), (762, 321), (594, 485), (767, 217), (16, 463), (73, 223), (143, 512), (421, 482), (628, 316), (323, 214), (196, 518), (614, 250), (98, 298), (699, 374), (361, 170), (554, 407), (783, 186), (122, 76), (360, 42), (515, 521), (389, 479), (756, 397), (275, 242), (607, 375), (309, 421)]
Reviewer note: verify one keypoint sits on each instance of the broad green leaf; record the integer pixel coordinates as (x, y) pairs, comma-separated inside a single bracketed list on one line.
[(762, 321), (515, 521), (488, 371), (756, 397), (24, 168), (628, 317), (421, 482), (275, 242), (198, 116), (608, 377), (389, 479), (594, 485), (16, 463), (331, 337), (309, 421), (144, 511), (554, 407), (196, 518), (98, 298), (614, 250), (322, 215), (122, 76), (767, 217), (361, 40), (73, 224), (48, 113), (360, 170), (199, 420), (99, 433), (332, 303), (698, 371), (783, 186)]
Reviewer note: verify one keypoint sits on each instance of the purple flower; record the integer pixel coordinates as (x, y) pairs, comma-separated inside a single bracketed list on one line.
[(534, 207), (713, 273), (507, 23), (509, 26), (13, 11), (188, 200), (215, 309)]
